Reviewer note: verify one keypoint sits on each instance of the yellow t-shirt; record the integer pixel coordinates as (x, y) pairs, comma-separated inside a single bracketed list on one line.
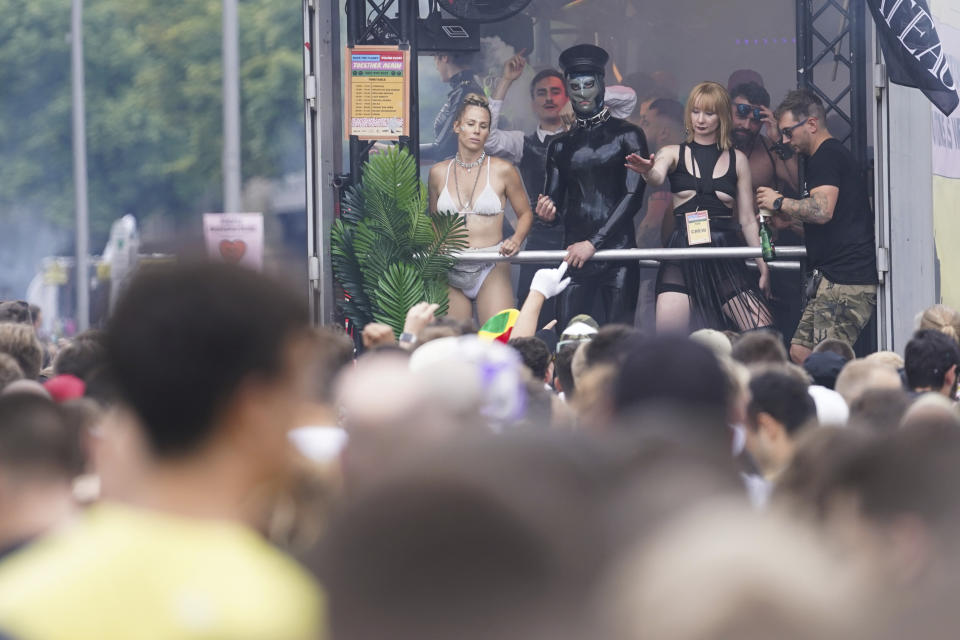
[(143, 575)]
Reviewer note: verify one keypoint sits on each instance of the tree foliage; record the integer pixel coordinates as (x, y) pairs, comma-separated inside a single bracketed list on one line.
[(153, 101)]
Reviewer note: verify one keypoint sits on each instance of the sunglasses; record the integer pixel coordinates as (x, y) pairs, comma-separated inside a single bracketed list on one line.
[(787, 132), (744, 110)]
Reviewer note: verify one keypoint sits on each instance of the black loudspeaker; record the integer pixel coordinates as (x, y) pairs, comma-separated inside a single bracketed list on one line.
[(483, 10)]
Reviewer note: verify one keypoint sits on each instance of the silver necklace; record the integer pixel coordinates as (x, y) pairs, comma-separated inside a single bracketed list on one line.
[(456, 185), (470, 165)]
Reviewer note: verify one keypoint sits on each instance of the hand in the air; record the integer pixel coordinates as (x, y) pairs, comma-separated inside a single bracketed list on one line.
[(545, 208), (579, 252), (636, 162), (513, 68), (510, 246), (376, 334), (550, 282), (419, 316)]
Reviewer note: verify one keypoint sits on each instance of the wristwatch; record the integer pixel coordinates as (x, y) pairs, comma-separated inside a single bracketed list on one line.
[(408, 338), (778, 203)]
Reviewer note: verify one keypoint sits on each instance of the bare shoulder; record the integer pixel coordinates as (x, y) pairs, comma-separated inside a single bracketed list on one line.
[(437, 170), (669, 152), (742, 159), (502, 167)]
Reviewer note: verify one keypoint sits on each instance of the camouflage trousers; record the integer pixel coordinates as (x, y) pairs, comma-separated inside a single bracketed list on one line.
[(837, 311)]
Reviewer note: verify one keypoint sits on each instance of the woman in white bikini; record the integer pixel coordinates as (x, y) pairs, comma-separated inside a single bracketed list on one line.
[(455, 186)]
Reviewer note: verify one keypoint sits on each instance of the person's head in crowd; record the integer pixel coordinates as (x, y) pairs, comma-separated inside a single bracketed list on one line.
[(317, 435), (451, 63), (10, 370), (818, 455), (747, 98), (717, 341), (647, 91), (737, 382), (20, 341), (802, 121), (743, 76), (81, 355), (859, 376), (594, 368), (40, 455), (563, 370), (758, 347), (16, 311), (832, 410), (581, 328), (930, 361), (943, 319), (931, 411), (756, 577), (662, 123), (609, 344), (895, 501), (674, 373), (712, 102), (889, 358), (779, 408), (838, 347), (878, 409), (536, 356), (205, 376), (548, 93), (824, 367), (480, 540)]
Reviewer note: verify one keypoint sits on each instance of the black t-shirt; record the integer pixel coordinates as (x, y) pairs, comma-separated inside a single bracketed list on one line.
[(843, 249)]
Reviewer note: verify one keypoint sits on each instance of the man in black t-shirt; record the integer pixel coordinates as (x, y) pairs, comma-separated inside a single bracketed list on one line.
[(838, 228)]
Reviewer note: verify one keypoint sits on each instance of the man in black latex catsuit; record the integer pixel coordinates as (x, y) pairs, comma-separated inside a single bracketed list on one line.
[(455, 69), (590, 191)]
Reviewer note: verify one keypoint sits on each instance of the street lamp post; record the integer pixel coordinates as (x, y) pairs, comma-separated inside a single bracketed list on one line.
[(80, 168)]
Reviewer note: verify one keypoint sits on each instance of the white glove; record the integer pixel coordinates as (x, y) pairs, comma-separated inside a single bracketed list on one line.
[(550, 282)]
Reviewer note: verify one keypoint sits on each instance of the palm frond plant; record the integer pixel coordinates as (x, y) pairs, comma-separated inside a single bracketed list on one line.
[(389, 253)]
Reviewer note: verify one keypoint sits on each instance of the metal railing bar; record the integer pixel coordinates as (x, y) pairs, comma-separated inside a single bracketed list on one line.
[(692, 253)]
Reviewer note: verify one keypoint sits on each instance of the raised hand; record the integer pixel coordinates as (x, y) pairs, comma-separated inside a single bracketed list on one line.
[(550, 282), (636, 162), (419, 316), (513, 68), (546, 209)]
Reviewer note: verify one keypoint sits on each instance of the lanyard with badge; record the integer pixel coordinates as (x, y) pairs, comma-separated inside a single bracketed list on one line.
[(698, 221)]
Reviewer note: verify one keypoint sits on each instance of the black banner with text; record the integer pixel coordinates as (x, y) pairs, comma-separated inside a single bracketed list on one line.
[(913, 52)]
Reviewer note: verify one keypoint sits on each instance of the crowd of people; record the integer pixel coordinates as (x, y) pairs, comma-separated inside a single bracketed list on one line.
[(210, 465)]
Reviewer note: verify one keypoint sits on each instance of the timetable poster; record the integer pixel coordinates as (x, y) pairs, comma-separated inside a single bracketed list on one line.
[(378, 92)]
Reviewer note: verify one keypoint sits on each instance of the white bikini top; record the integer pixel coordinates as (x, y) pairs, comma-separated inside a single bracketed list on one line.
[(486, 204)]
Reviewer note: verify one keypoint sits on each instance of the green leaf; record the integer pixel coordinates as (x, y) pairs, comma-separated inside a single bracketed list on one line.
[(399, 288)]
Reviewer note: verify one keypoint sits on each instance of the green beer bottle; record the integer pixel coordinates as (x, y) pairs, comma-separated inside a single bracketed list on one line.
[(767, 249)]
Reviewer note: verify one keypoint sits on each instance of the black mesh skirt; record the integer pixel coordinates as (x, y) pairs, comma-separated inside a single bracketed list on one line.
[(723, 293)]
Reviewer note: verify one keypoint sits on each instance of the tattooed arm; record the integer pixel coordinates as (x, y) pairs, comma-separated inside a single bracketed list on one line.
[(817, 209)]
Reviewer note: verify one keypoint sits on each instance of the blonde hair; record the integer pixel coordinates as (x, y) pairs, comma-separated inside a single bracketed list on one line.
[(943, 319), (473, 100), (711, 97)]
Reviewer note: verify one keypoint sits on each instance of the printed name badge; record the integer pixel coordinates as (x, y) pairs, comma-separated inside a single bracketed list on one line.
[(698, 228)]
